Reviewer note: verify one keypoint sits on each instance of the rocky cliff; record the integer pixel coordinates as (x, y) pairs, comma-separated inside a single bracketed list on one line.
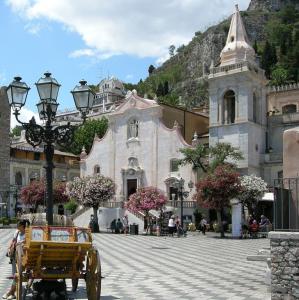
[(185, 71), (271, 5)]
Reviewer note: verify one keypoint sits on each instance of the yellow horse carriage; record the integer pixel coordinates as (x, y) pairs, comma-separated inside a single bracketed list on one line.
[(58, 252)]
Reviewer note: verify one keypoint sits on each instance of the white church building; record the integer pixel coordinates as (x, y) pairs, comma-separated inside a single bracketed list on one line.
[(138, 150)]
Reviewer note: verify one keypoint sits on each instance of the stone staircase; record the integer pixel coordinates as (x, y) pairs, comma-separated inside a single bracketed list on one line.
[(106, 216)]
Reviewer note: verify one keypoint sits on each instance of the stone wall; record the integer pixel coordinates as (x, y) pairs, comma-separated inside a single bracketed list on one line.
[(284, 265), (5, 140)]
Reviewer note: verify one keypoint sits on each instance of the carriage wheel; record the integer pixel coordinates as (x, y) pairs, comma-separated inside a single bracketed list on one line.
[(18, 275), (93, 275)]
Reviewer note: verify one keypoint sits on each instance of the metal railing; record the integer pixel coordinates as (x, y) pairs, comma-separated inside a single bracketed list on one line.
[(286, 204)]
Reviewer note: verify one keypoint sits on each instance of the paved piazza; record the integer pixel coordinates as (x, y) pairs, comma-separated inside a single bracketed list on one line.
[(195, 267)]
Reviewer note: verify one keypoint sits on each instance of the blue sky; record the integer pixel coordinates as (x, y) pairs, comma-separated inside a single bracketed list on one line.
[(92, 39)]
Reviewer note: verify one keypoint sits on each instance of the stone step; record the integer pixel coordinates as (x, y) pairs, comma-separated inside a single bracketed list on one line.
[(257, 257)]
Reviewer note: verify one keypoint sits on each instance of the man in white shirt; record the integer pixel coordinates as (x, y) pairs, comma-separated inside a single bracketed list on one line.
[(171, 225)]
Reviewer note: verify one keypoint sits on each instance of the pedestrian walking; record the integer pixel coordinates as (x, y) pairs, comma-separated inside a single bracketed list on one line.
[(203, 225), (18, 239), (92, 223), (126, 224)]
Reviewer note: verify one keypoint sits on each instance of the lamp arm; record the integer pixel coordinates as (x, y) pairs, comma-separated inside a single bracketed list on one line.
[(17, 113), (34, 133)]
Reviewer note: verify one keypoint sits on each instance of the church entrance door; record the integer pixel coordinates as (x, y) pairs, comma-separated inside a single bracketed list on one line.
[(131, 186)]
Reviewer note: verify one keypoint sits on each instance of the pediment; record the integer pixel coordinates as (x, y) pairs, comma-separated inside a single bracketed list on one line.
[(133, 101)]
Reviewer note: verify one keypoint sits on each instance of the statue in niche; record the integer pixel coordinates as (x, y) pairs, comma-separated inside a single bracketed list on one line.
[(133, 162), (133, 129)]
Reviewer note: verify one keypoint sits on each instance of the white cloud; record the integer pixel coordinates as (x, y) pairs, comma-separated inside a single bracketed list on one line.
[(25, 116), (33, 28), (91, 53), (141, 28), (129, 76)]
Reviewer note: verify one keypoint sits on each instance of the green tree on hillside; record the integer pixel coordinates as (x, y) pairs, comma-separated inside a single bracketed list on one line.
[(160, 90), (166, 88), (289, 14), (16, 131), (84, 135), (269, 58), (151, 69), (279, 76)]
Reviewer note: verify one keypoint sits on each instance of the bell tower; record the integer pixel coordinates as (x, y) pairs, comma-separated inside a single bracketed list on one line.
[(237, 92)]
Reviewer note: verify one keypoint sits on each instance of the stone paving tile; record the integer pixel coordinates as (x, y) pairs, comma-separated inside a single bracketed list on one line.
[(150, 268)]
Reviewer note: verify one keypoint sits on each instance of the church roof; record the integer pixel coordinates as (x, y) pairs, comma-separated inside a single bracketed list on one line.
[(134, 101), (237, 46)]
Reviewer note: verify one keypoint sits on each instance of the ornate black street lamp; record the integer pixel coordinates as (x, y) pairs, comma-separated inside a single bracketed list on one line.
[(179, 185), (50, 133)]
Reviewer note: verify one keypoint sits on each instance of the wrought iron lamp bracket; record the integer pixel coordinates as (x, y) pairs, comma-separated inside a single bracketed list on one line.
[(64, 134)]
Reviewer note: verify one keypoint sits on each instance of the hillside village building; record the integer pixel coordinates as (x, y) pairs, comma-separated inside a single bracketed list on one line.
[(110, 94)]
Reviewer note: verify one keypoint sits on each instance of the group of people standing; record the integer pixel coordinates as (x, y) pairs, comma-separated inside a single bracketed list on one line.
[(122, 226), (175, 226)]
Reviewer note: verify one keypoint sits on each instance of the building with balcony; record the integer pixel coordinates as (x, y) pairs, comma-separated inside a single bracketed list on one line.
[(27, 164), (110, 93)]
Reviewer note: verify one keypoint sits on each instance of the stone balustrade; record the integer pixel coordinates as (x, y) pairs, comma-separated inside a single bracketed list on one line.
[(186, 204), (284, 265), (283, 88), (245, 65)]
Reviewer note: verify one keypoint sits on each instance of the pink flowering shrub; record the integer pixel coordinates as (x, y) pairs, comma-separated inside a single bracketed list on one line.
[(145, 199), (34, 193)]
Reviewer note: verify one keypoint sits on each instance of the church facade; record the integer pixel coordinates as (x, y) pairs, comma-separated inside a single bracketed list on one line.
[(138, 150)]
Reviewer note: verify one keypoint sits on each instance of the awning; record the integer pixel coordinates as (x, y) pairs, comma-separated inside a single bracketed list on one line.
[(268, 197)]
